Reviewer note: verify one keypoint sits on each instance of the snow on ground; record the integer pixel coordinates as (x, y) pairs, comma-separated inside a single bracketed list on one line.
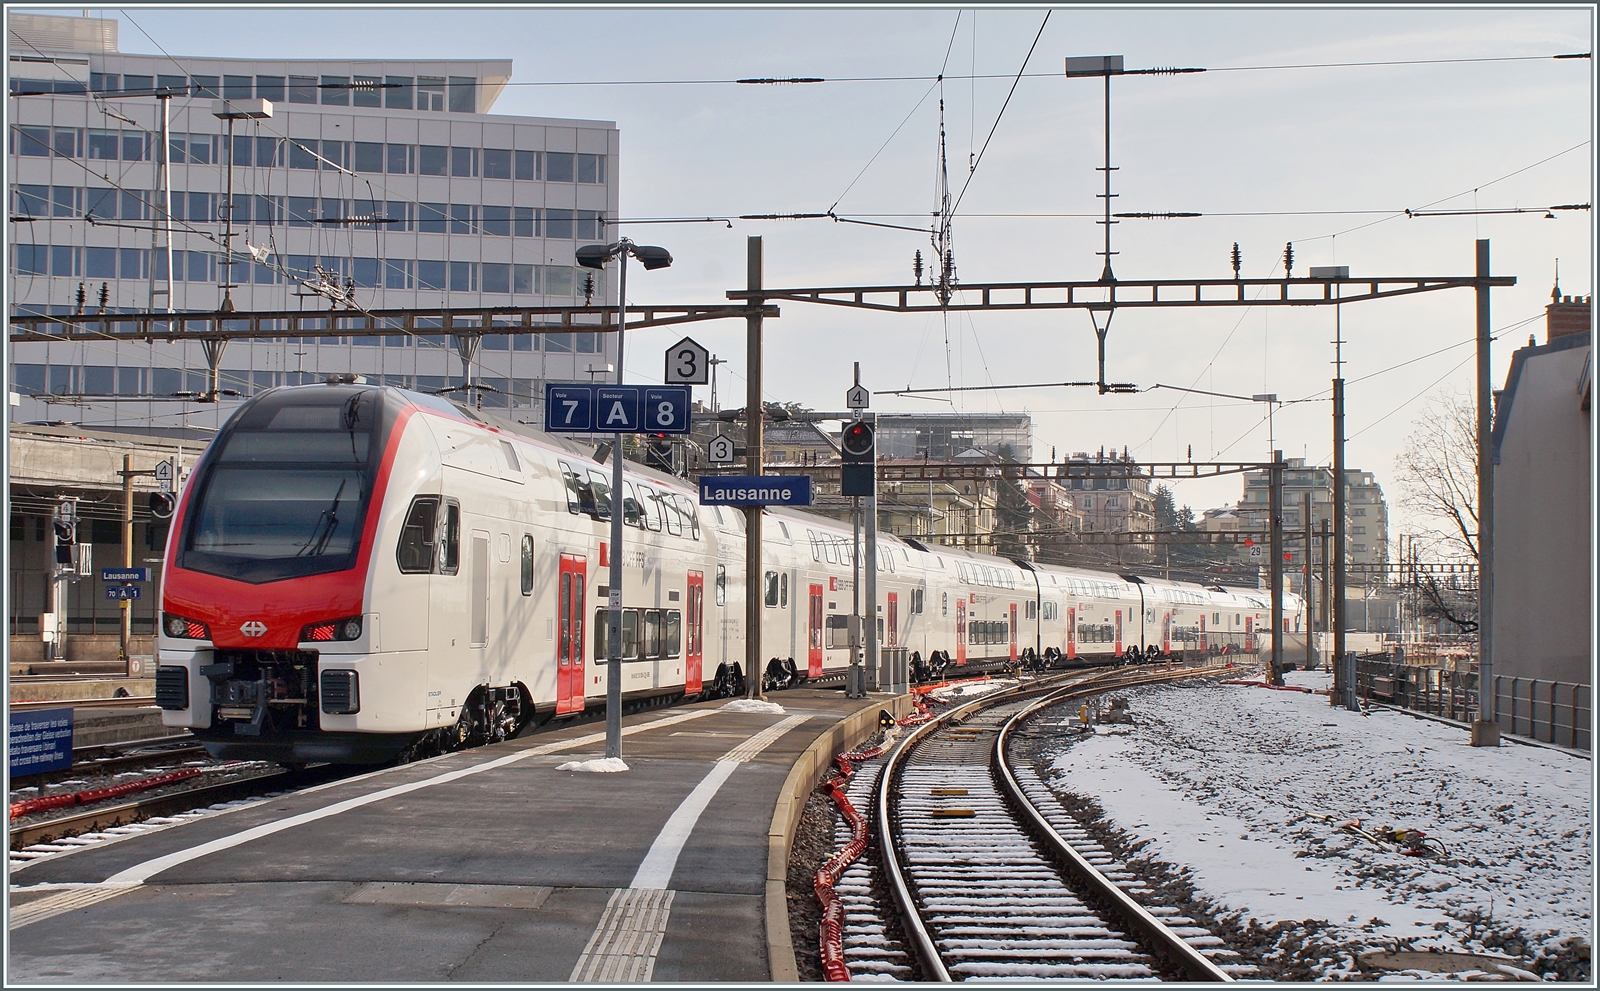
[(599, 765), (754, 705), (963, 691), (1245, 787)]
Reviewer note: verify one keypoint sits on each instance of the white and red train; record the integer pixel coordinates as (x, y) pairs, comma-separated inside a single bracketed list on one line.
[(357, 572)]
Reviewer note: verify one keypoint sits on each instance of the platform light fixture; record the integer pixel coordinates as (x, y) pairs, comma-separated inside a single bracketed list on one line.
[(652, 258)]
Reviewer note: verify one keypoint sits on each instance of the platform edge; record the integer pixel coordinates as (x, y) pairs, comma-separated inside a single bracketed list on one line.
[(791, 804)]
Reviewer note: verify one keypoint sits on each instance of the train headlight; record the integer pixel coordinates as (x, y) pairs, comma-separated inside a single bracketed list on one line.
[(337, 629), (184, 629)]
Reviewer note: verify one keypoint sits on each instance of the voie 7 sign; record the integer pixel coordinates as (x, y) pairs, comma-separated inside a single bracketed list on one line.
[(594, 408)]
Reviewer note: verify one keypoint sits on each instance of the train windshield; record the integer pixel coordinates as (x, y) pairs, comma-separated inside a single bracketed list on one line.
[(285, 494)]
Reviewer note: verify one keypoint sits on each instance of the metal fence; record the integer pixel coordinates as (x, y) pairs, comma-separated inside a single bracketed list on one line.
[(1553, 711), (1550, 711)]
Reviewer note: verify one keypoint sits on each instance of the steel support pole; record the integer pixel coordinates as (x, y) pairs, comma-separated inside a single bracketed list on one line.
[(614, 577), (754, 458), (1305, 592), (1323, 611), (856, 680), (1339, 624), (1486, 730), (125, 607), (1275, 508)]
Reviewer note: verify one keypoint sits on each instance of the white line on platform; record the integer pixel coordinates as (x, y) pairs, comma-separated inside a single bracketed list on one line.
[(628, 937)]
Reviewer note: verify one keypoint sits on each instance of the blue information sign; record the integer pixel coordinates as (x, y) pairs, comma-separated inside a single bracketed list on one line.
[(124, 574), (124, 592), (40, 741), (592, 408), (755, 490)]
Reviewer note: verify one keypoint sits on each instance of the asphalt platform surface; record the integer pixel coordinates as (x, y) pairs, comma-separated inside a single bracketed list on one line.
[(483, 866)]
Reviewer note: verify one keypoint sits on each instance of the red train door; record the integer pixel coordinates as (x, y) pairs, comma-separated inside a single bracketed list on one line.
[(1166, 632), (1250, 634), (1013, 631), (814, 633), (961, 631), (1202, 633), (891, 632), (1119, 632), (694, 633), (569, 646), (1072, 633)]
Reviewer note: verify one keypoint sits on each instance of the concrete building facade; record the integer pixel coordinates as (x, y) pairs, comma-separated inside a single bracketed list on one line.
[(392, 179), (1367, 513)]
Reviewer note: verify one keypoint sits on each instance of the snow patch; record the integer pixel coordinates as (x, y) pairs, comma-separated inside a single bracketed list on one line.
[(754, 705), (600, 765)]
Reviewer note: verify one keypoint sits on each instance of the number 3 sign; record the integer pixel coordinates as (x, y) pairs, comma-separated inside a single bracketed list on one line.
[(688, 364)]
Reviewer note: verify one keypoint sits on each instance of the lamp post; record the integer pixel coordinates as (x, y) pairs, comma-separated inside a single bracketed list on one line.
[(595, 256)]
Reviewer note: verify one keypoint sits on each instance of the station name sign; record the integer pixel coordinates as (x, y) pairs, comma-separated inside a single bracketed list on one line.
[(755, 490)]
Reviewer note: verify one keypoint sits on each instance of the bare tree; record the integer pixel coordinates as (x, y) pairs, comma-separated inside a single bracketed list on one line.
[(1438, 473)]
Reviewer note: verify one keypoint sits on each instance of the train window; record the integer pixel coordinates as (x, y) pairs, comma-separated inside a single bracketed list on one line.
[(527, 564), (414, 554), (785, 528), (783, 590), (650, 501), (450, 545), (669, 513), (511, 456), (1236, 619), (916, 601), (1216, 618), (671, 633), (1032, 610), (630, 506), (652, 633), (771, 585), (944, 603), (816, 545), (838, 627), (831, 550), (630, 633), (601, 487), (722, 585), (574, 497), (692, 514)]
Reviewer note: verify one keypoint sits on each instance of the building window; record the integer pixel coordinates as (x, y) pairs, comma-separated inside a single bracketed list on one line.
[(462, 89), (430, 93), (525, 221), (302, 89), (463, 218), (398, 92), (524, 279), (367, 156), (558, 223), (559, 166), (463, 277), (496, 278), (527, 164), (402, 159), (236, 87), (592, 168), (497, 163), (270, 88), (364, 92), (464, 162), (335, 91), (433, 160), (430, 274), (431, 217), (209, 87), (497, 219)]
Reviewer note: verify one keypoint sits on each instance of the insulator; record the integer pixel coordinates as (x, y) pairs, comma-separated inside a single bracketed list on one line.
[(1288, 259), (916, 266), (1238, 259), (105, 295), (82, 296)]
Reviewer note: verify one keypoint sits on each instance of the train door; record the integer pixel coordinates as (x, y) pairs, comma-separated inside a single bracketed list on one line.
[(1202, 633), (569, 645), (1249, 634), (961, 631), (892, 634), (1119, 632), (1013, 631), (694, 634), (1166, 631), (1072, 633), (814, 633)]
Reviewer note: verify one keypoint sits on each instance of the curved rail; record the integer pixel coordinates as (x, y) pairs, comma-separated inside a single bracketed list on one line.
[(120, 702), (1186, 960), (1174, 949)]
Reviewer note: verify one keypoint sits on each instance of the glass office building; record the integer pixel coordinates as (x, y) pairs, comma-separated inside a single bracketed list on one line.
[(391, 180)]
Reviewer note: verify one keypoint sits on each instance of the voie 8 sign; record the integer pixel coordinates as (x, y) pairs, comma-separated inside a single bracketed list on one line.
[(593, 408)]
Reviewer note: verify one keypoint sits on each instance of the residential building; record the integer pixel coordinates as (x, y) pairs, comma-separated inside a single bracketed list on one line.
[(1543, 585), (1109, 492), (390, 180), (1366, 514)]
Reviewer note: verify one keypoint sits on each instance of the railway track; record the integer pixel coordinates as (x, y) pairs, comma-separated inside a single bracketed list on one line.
[(988, 877)]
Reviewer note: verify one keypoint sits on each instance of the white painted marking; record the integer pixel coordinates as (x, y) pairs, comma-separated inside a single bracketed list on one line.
[(140, 873)]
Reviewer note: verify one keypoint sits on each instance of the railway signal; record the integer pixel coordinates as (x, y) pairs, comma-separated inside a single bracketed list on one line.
[(858, 447)]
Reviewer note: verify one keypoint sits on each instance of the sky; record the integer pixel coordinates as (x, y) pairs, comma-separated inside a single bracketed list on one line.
[(1325, 157)]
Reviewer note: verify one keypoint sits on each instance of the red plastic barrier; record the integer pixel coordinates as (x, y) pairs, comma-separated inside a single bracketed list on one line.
[(830, 931), (1276, 688), (100, 794)]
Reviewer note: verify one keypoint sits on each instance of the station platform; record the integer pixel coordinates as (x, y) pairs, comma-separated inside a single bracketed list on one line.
[(489, 865)]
